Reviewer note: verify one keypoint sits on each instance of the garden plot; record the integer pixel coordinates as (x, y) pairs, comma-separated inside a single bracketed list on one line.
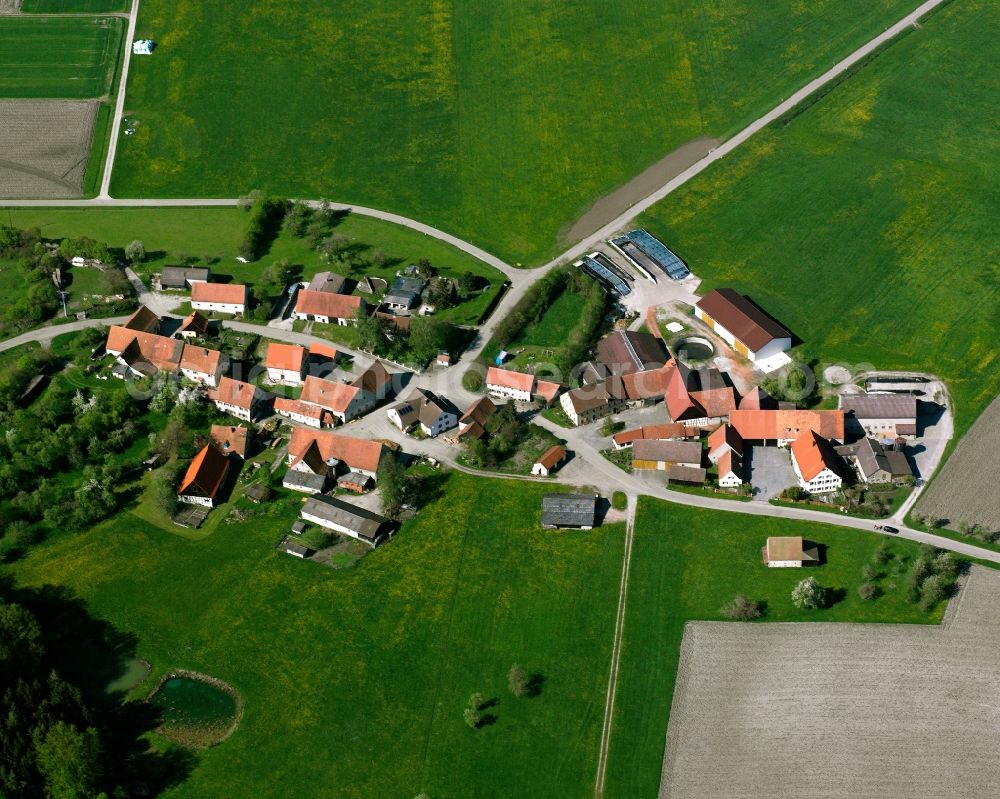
[(44, 147), (965, 490), (830, 710)]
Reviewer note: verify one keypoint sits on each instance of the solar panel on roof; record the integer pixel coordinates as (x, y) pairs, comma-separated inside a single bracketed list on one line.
[(597, 270)]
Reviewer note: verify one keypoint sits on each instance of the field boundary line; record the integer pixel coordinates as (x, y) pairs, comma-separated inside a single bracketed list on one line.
[(116, 119), (730, 144), (609, 700)]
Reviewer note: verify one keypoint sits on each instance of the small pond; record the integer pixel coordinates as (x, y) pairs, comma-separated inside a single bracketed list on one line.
[(196, 712), (694, 349)]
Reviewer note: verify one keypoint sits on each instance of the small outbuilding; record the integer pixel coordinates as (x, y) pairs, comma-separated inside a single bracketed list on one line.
[(549, 462), (789, 551), (575, 511)]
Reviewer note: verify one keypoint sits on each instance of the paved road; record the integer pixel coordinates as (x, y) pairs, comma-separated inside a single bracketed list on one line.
[(116, 120)]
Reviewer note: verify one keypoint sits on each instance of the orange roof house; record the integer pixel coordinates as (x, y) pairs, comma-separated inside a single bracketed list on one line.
[(335, 397), (204, 477), (241, 399), (285, 357), (357, 454), (201, 364), (549, 460), (813, 454), (787, 425), (231, 440), (520, 382), (133, 346), (235, 294), (306, 412), (326, 305), (194, 324)]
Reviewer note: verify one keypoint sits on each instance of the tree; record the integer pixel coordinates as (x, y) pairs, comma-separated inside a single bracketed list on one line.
[(428, 337), (69, 761), (334, 247), (135, 252), (742, 609), (933, 590), (371, 337), (809, 594), (467, 283), (518, 680), (472, 380), (867, 591), (441, 292), (163, 490), (473, 713), (392, 483), (424, 270)]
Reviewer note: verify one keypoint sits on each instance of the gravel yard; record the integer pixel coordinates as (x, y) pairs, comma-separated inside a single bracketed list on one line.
[(44, 147), (835, 710)]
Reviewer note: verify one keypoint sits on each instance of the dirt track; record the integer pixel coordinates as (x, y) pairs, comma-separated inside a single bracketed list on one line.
[(965, 490), (835, 710), (44, 147)]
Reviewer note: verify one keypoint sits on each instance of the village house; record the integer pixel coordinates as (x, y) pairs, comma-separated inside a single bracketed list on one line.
[(303, 412), (342, 401), (327, 307), (202, 365), (521, 386), (551, 459), (590, 403), (817, 466), (341, 517), (204, 478), (182, 277), (330, 282), (661, 455), (433, 413), (746, 328), (781, 427), (782, 552), (285, 363), (141, 354), (472, 423), (653, 432), (698, 397), (232, 440), (242, 400), (404, 293), (193, 326), (881, 416), (323, 452), (731, 469), (726, 449), (575, 511), (305, 482), (227, 298), (874, 463)]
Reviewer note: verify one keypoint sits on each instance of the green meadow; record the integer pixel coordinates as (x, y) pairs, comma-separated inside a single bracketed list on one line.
[(688, 563), (502, 122), (74, 6), (867, 222), (58, 57), (354, 680)]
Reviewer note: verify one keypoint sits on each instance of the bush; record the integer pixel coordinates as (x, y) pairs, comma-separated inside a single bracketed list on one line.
[(933, 590), (867, 591), (472, 380), (742, 609), (518, 680), (619, 501), (795, 493), (809, 595), (266, 214)]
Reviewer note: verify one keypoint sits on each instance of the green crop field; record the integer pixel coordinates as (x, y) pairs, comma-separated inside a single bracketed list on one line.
[(66, 57), (355, 680), (502, 122), (211, 236), (74, 6), (688, 563), (867, 223)]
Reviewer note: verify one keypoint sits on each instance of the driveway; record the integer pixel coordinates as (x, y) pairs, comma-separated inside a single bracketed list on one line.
[(771, 472)]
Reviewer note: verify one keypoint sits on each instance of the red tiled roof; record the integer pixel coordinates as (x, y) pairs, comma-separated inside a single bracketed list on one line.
[(716, 401), (200, 359), (328, 394), (813, 454), (325, 303), (741, 318), (552, 456), (729, 463), (230, 438), (288, 357), (235, 392), (373, 379), (787, 424), (479, 411), (651, 384), (547, 390), (205, 474), (228, 293), (321, 350), (677, 398), (655, 432), (164, 353), (355, 453), (518, 381), (725, 434)]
